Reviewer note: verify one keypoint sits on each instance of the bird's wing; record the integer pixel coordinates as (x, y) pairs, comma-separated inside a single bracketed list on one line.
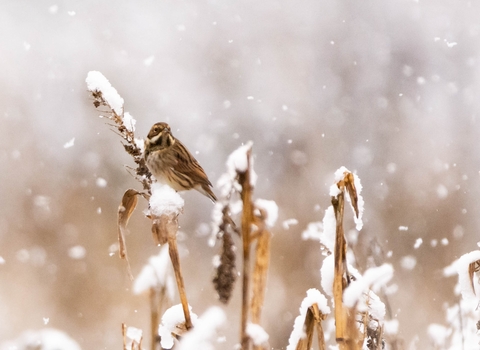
[(186, 164)]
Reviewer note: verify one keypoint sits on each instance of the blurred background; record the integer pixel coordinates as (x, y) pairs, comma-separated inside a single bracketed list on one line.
[(388, 89)]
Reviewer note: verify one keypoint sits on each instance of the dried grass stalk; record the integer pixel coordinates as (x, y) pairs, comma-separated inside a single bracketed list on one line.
[(346, 331), (313, 320), (172, 227), (247, 222), (262, 258)]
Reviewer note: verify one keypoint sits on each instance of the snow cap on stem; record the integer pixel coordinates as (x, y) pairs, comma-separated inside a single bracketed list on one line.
[(96, 82)]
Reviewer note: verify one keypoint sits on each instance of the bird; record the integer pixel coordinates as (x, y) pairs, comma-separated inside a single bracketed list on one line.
[(171, 162)]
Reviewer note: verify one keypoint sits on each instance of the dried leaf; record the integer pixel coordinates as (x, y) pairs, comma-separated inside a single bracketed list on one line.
[(159, 229), (352, 191), (305, 343), (125, 210)]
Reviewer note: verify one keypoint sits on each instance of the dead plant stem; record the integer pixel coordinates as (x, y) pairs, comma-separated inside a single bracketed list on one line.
[(247, 220), (174, 257)]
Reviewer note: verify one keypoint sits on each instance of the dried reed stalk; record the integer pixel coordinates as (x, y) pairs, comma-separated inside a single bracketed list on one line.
[(262, 257), (313, 320), (156, 301), (247, 221), (346, 331)]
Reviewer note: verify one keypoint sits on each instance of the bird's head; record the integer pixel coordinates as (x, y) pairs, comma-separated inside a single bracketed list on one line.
[(160, 136)]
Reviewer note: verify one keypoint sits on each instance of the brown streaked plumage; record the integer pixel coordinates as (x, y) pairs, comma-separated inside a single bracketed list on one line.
[(171, 163)]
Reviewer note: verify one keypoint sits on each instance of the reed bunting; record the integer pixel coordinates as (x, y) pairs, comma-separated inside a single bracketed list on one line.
[(171, 163)]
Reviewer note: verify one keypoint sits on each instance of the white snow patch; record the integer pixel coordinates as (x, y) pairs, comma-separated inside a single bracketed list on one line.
[(238, 159), (53, 9), (313, 231), (134, 334), (165, 200), (442, 191), (101, 182), (418, 243), (403, 228), (129, 122), (237, 162), (46, 339), (202, 335), (149, 60), (374, 278), (157, 274), (463, 276), (326, 273), (334, 191), (313, 297), (257, 334), (391, 327), (97, 82), (140, 143), (438, 334), (77, 252), (69, 143), (172, 318), (408, 262), (323, 231), (270, 208), (289, 222)]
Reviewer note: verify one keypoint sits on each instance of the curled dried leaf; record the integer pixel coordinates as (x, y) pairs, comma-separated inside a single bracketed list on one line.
[(125, 210), (352, 191)]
